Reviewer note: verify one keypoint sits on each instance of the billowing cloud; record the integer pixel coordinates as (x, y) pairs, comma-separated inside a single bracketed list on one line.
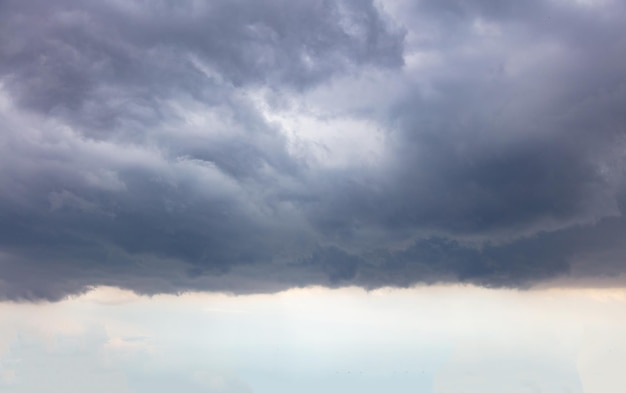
[(255, 146)]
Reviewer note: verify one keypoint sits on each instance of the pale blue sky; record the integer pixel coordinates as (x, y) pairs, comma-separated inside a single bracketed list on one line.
[(433, 339)]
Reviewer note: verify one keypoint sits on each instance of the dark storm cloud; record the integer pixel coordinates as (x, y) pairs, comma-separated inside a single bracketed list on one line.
[(96, 61), (499, 140), (137, 151)]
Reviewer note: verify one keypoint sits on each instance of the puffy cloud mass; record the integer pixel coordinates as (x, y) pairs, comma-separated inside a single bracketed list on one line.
[(252, 146)]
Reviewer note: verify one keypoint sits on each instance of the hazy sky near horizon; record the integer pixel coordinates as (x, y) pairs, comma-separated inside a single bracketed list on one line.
[(441, 339), (255, 146)]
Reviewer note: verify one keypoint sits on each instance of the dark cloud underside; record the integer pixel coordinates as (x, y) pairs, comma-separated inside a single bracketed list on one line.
[(164, 146)]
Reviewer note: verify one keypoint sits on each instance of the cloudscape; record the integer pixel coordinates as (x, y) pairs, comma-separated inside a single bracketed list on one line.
[(252, 147), (278, 196)]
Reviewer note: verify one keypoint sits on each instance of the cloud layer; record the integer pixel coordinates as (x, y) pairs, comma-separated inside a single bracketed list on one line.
[(254, 146)]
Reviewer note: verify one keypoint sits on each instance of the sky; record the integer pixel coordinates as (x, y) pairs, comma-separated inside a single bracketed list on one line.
[(174, 150), (253, 147), (441, 339)]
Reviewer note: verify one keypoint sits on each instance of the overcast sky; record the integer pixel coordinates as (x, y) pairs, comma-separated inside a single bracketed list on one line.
[(255, 146), (279, 196)]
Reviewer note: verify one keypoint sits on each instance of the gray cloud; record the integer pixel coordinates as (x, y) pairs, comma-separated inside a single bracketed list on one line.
[(150, 145), (108, 63)]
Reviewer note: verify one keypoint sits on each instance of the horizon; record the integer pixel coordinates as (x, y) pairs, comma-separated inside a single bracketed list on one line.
[(274, 196)]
